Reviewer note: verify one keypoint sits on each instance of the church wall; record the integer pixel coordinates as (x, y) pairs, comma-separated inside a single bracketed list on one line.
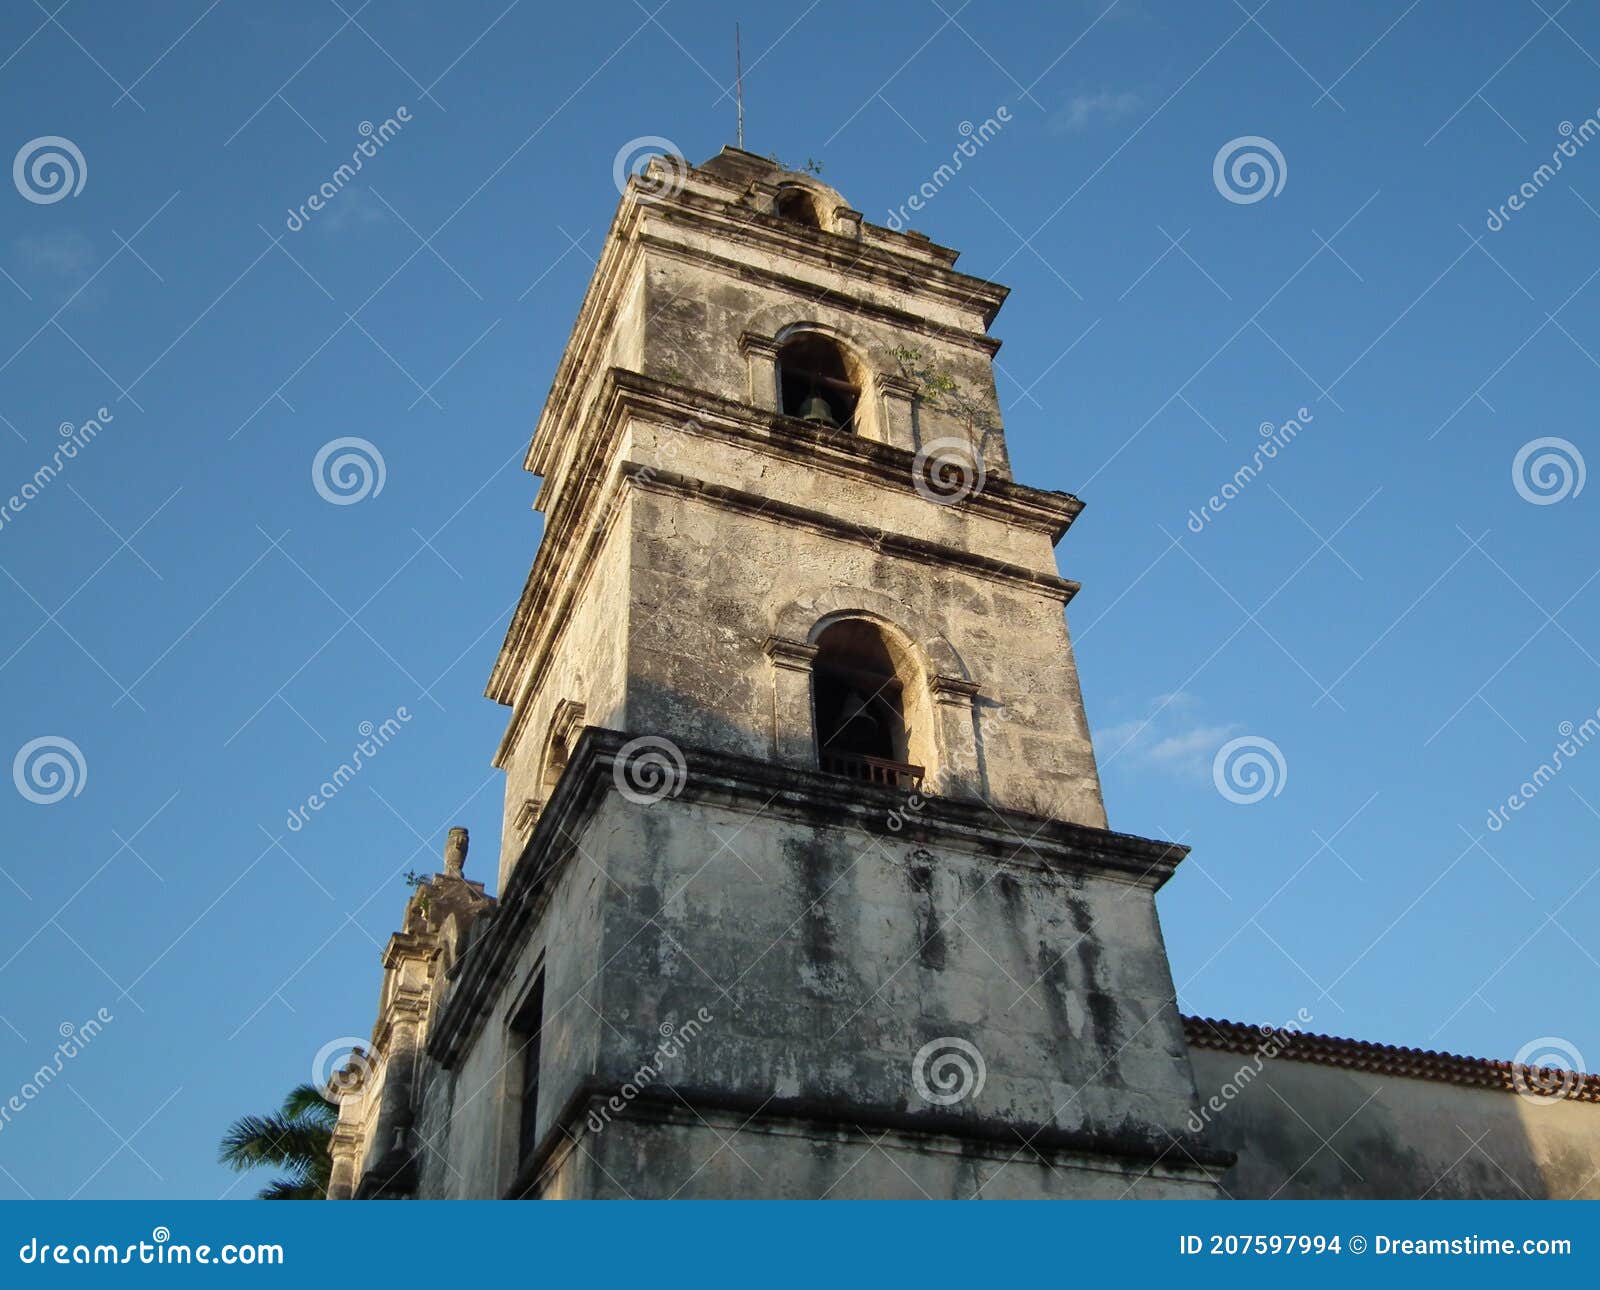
[(708, 584), (1392, 1137), (809, 962), (468, 1126), (588, 667)]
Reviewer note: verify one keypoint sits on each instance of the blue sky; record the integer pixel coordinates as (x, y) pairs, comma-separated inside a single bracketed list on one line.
[(1381, 602)]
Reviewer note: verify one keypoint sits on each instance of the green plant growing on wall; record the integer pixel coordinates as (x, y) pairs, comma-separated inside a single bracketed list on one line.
[(421, 884), (938, 388), (812, 165), (933, 383)]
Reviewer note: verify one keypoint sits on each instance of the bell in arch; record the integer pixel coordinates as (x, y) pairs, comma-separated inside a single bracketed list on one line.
[(816, 409)]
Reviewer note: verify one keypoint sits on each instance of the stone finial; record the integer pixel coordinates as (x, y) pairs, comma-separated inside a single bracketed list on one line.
[(455, 852)]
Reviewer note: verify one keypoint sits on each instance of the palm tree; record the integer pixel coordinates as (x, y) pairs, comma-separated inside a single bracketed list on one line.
[(294, 1139)]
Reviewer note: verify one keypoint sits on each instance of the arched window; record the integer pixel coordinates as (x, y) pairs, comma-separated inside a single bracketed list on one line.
[(859, 703), (800, 206), (816, 383)]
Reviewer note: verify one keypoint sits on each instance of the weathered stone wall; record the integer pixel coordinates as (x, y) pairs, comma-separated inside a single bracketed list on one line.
[(696, 314), (1391, 1137), (467, 1130), (802, 966), (588, 665), (709, 585), (689, 1158)]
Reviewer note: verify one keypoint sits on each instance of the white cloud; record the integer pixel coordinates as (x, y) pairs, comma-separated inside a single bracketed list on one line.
[(66, 253), (354, 207), (1173, 737), (1084, 110)]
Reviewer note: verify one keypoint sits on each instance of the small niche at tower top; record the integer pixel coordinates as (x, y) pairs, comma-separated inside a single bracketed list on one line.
[(815, 382), (800, 206)]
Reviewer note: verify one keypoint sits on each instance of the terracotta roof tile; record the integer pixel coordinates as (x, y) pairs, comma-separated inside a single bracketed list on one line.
[(1387, 1059)]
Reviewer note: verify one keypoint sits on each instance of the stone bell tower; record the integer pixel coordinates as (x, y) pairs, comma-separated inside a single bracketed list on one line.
[(805, 882)]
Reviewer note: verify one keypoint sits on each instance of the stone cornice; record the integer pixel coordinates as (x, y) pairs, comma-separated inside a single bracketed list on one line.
[(1152, 1152), (652, 480), (407, 945), (819, 448), (901, 319), (954, 690), (913, 268), (750, 343), (895, 383), (794, 655), (1008, 839), (595, 318)]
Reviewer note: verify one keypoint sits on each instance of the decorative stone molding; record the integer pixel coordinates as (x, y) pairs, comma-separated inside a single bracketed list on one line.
[(567, 721), (954, 690), (761, 354), (793, 654), (792, 741), (374, 1153), (802, 619), (762, 197), (897, 396), (955, 716), (345, 1149), (846, 222)]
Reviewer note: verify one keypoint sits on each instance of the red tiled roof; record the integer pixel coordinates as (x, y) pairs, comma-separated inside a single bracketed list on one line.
[(1387, 1059)]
